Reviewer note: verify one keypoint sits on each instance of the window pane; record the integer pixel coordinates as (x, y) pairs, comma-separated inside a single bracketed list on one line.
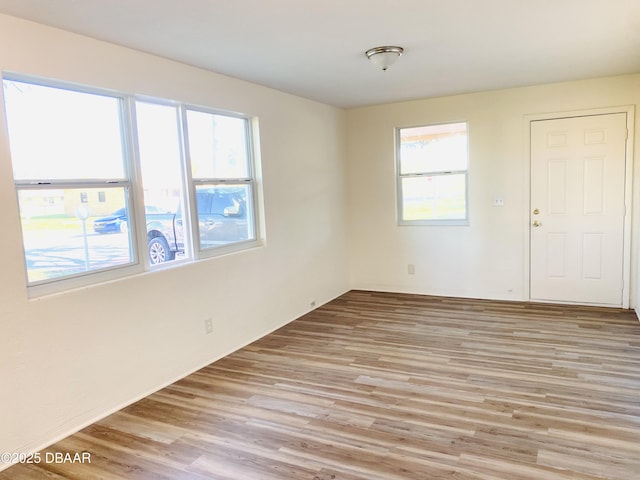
[(64, 236), (217, 145), (224, 214), (63, 134), (435, 148), (160, 164), (437, 197)]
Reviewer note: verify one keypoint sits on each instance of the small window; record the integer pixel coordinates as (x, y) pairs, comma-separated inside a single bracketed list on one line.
[(223, 180), (84, 198), (432, 163), (102, 197)]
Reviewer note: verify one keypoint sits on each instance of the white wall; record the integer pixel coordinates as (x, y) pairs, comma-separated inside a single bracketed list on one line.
[(488, 258), (70, 358)]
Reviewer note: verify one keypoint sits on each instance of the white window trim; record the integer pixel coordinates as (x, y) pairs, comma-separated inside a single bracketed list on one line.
[(209, 252), (399, 176), (132, 183)]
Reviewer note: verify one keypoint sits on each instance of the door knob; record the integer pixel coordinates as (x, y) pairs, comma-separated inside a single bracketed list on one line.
[(536, 223), (536, 211)]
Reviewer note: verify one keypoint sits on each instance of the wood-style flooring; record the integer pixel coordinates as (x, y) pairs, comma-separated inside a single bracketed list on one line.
[(379, 386)]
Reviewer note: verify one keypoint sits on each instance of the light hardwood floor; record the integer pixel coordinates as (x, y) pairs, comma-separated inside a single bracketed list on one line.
[(382, 386)]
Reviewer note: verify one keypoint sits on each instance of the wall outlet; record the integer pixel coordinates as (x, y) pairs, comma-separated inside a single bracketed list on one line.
[(208, 326), (411, 269), (498, 202)]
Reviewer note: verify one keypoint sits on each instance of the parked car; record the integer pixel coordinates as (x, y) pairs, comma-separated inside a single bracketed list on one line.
[(222, 216), (118, 221), (111, 223), (222, 219)]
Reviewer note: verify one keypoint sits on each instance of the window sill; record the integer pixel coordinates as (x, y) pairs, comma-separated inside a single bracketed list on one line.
[(96, 279)]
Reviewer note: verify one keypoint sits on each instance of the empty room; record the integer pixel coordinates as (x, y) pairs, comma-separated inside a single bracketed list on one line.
[(320, 240)]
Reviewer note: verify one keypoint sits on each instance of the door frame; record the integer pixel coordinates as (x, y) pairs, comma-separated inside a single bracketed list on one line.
[(628, 193)]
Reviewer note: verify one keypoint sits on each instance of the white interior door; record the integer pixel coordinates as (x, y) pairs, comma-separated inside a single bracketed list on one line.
[(577, 209)]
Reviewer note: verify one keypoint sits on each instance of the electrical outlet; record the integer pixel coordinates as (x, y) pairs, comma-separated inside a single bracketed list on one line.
[(411, 269), (208, 326)]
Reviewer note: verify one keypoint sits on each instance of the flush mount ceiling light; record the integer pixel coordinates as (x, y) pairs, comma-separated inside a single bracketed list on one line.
[(384, 57)]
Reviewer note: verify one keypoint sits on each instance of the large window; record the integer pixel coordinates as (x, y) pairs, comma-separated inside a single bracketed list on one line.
[(67, 146), (432, 164), (104, 187)]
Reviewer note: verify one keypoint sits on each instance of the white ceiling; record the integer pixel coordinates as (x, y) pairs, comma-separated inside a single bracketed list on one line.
[(315, 48)]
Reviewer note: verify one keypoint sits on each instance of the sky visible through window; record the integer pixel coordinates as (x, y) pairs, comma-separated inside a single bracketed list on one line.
[(63, 134)]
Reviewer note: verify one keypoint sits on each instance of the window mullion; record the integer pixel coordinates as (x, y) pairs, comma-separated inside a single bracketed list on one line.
[(432, 174), (60, 184), (185, 171), (192, 222), (135, 200), (221, 181)]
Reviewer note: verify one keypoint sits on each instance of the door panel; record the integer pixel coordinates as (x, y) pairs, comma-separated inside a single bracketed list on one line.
[(577, 203)]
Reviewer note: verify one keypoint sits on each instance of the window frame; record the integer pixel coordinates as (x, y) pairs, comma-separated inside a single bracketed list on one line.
[(67, 282), (194, 182), (400, 176), (132, 186), (141, 235)]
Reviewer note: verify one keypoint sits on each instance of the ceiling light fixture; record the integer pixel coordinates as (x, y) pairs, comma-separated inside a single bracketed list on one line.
[(384, 57)]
